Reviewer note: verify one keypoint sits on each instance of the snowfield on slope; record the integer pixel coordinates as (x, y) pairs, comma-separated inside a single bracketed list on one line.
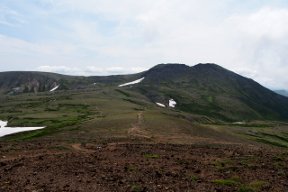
[(54, 89), (132, 83), (11, 130), (3, 124), (172, 103), (160, 104)]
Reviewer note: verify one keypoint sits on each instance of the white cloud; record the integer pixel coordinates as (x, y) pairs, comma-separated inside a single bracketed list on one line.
[(88, 70), (268, 22), (262, 46), (99, 37), (10, 17)]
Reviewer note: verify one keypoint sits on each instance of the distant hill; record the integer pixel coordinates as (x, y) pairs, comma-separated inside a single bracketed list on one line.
[(16, 82), (282, 92), (19, 82), (205, 89)]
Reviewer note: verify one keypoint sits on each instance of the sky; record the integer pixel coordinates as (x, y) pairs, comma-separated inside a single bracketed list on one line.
[(104, 37)]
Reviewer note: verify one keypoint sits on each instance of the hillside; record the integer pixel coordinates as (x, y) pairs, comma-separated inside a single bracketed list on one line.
[(204, 89), (108, 133), (211, 90), (25, 82), (34, 82)]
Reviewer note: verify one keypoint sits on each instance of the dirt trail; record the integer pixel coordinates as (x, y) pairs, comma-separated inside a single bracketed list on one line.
[(137, 128), (78, 147)]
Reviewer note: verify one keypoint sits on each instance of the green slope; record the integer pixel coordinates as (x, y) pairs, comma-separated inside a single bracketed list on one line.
[(211, 90), (204, 89)]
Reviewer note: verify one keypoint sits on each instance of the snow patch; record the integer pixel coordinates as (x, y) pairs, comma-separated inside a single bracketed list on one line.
[(11, 130), (160, 104), (172, 103), (54, 89), (239, 123), (3, 124), (132, 83)]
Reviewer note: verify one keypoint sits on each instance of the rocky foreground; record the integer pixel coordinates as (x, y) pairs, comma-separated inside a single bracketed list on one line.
[(44, 166)]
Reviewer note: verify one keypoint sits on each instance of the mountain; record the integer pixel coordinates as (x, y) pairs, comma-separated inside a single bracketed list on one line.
[(204, 89), (26, 82), (18, 82), (211, 90), (282, 92)]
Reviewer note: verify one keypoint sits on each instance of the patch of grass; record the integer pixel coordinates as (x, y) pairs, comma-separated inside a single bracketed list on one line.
[(24, 135), (53, 126), (225, 164), (137, 102), (271, 142), (267, 137), (245, 188), (257, 185), (193, 178), (225, 182), (136, 188), (123, 92), (210, 99), (278, 137), (139, 109), (150, 155), (130, 168)]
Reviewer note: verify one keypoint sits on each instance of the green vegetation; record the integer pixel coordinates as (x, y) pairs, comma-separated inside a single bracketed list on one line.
[(209, 112), (269, 136), (226, 182), (136, 188), (111, 113), (150, 155), (225, 165), (245, 188), (254, 186), (257, 185), (205, 108), (130, 168), (193, 178), (205, 89)]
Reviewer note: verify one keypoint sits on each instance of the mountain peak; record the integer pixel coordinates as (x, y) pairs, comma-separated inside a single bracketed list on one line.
[(169, 65), (208, 66), (180, 66), (166, 72)]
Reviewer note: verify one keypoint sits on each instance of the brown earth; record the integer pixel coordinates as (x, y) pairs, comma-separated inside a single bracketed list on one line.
[(136, 129), (50, 166)]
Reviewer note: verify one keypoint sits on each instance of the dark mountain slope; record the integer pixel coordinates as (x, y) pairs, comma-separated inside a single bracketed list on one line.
[(282, 92), (214, 91), (31, 81), (19, 82)]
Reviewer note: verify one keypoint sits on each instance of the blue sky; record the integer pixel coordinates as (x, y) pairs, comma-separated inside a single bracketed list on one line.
[(102, 37)]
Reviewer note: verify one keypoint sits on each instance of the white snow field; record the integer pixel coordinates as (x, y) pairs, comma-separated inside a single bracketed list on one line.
[(10, 130), (172, 103), (160, 105), (54, 88), (132, 83)]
